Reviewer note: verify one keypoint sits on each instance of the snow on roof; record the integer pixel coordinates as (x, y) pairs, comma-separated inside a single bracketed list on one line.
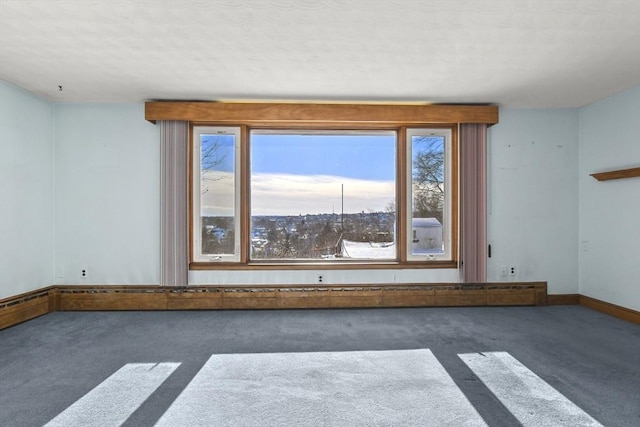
[(426, 222), (368, 250)]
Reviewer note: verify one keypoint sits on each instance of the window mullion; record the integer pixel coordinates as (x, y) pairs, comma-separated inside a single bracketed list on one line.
[(401, 194), (245, 195)]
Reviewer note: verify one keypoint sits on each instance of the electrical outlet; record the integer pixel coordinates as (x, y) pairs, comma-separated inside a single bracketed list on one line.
[(512, 271), (83, 274), (320, 278)]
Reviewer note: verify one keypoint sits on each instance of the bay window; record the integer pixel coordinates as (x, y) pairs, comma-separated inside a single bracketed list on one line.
[(308, 195)]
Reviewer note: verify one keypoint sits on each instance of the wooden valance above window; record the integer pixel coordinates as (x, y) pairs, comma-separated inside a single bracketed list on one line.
[(319, 113)]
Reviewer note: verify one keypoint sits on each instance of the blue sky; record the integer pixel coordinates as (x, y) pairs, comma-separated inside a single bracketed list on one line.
[(368, 157)]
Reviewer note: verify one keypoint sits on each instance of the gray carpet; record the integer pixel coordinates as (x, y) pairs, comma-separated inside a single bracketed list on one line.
[(52, 363)]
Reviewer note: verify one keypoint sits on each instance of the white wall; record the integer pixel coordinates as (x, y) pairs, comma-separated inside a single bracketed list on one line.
[(610, 210), (107, 195), (533, 197), (26, 192)]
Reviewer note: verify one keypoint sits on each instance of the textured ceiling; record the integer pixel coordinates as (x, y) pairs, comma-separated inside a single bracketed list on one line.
[(544, 53)]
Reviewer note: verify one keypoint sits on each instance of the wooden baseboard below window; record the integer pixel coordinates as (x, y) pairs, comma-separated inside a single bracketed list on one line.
[(27, 306), (77, 298)]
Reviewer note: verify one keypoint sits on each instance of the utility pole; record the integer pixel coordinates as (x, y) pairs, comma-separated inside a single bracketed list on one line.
[(342, 215)]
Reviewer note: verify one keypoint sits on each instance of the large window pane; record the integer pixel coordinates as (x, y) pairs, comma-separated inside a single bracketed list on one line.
[(323, 195), (428, 201), (217, 204)]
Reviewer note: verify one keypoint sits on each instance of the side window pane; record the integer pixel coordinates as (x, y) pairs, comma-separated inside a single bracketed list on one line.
[(217, 204), (428, 201), (323, 196)]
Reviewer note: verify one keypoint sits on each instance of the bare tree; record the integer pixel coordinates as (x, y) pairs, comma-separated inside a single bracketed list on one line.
[(218, 234), (212, 155), (428, 178), (390, 207)]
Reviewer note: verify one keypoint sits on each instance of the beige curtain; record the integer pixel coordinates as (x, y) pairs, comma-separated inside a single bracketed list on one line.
[(473, 202), (174, 198)]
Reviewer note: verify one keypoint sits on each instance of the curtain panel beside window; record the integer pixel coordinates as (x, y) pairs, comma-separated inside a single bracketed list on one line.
[(473, 202), (174, 259)]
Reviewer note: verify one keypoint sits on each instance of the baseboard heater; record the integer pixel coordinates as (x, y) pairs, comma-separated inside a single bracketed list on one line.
[(91, 298)]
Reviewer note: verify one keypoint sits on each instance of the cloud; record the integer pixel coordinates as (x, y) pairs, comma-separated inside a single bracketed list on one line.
[(217, 194), (288, 194)]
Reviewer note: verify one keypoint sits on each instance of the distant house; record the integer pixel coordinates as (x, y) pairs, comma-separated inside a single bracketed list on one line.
[(427, 239), (367, 250), (427, 236), (216, 232)]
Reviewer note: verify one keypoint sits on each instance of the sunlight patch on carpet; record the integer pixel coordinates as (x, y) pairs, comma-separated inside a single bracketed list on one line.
[(399, 387), (116, 398), (527, 396)]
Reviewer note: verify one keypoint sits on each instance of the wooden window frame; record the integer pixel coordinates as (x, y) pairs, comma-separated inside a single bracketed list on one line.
[(397, 117)]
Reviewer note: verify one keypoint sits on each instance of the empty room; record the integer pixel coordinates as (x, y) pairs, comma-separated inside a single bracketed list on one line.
[(319, 213)]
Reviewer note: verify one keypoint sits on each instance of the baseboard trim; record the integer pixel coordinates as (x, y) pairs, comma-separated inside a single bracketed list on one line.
[(25, 307), (94, 298), (611, 309), (563, 299), (300, 296)]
